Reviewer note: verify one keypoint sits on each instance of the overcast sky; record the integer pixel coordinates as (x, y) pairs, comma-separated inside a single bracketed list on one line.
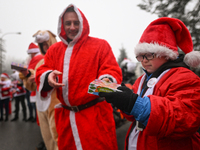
[(120, 22)]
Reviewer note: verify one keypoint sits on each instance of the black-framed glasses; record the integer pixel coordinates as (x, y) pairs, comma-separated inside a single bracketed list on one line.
[(148, 56)]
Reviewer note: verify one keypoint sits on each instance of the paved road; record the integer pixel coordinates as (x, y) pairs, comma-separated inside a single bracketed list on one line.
[(20, 135)]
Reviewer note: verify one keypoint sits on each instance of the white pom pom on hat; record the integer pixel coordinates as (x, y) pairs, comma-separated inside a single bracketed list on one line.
[(33, 48), (163, 36)]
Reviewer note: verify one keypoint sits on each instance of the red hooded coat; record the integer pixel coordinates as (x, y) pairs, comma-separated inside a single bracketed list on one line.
[(175, 114), (83, 60)]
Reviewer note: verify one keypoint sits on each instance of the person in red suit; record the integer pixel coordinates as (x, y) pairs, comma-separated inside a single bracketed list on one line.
[(36, 56), (5, 94), (18, 91), (83, 121), (164, 104)]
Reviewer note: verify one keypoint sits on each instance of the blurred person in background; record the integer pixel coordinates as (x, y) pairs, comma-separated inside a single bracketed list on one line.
[(5, 95), (35, 55), (128, 72), (18, 92)]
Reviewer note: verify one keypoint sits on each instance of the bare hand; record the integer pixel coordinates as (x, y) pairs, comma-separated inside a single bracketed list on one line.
[(106, 79), (52, 79), (32, 78), (24, 72)]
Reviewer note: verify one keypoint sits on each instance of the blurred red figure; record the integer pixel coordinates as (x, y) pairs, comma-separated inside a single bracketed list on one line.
[(5, 95), (34, 52)]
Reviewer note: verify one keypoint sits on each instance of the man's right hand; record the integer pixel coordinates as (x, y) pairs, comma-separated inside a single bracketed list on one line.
[(52, 79), (32, 78), (24, 72)]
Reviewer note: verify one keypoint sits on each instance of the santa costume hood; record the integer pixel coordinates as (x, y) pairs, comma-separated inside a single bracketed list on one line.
[(83, 26), (164, 36)]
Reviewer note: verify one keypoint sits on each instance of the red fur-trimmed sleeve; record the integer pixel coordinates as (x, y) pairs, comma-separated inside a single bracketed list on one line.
[(41, 73), (108, 65)]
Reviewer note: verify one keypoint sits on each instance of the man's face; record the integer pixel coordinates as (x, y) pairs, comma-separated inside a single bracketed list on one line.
[(71, 24)]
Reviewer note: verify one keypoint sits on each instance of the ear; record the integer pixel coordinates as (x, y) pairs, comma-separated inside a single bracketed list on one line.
[(36, 33), (51, 33)]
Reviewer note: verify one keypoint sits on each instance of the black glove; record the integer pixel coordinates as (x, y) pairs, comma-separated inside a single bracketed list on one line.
[(124, 100)]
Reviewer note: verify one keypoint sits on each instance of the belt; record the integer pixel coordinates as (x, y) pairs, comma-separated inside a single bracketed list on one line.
[(84, 106)]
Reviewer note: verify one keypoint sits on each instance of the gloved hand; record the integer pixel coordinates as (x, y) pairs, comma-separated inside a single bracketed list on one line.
[(124, 100)]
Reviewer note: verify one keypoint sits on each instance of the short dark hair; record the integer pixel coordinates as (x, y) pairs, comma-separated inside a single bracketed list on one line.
[(70, 9)]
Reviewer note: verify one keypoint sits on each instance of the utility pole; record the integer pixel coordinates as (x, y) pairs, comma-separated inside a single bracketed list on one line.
[(1, 48)]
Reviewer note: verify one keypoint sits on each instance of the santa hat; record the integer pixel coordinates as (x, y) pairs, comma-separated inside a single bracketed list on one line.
[(5, 75), (164, 36), (33, 49)]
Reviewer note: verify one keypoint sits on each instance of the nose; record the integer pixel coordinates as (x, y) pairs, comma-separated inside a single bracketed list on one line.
[(145, 59), (72, 27)]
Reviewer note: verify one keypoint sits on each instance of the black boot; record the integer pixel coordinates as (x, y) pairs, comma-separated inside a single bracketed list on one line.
[(30, 119), (24, 118), (33, 120), (15, 119), (40, 146), (6, 119), (1, 119)]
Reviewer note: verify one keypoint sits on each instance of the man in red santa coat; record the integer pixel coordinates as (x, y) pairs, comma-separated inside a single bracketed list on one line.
[(165, 101), (83, 121)]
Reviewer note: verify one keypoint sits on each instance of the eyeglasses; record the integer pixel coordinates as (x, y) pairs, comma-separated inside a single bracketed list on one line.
[(148, 56)]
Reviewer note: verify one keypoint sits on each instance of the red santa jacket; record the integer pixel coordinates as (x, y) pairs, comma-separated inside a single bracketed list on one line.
[(18, 86), (35, 60), (175, 113), (32, 65), (5, 89), (83, 60)]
